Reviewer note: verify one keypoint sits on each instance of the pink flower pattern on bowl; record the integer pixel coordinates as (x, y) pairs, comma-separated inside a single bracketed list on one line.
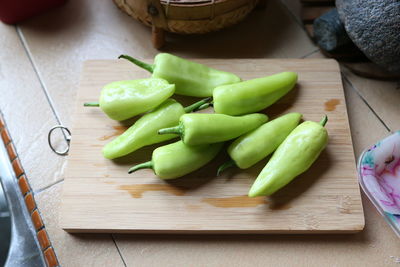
[(379, 177)]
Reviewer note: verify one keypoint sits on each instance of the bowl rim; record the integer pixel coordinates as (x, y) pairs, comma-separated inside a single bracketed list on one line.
[(387, 216)]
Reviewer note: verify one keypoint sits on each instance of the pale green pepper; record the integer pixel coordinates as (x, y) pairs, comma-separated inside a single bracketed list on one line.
[(177, 159), (252, 95), (190, 78), (144, 131), (201, 128), (124, 99), (253, 146), (293, 157)]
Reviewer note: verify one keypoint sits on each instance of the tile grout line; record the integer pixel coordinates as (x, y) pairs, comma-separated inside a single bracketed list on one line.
[(346, 79), (294, 17), (44, 88), (300, 24), (40, 190), (310, 53), (119, 252)]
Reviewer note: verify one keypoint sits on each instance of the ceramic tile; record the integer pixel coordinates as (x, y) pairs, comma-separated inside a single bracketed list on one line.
[(23, 185), (316, 54), (12, 154), (30, 202), (60, 40), (16, 164), (294, 7), (366, 129), (43, 239), (37, 221), (382, 96), (5, 136), (2, 124), (50, 257), (26, 112), (74, 249)]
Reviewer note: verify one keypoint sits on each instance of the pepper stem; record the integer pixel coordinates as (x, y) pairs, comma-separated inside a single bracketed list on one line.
[(91, 104), (324, 120), (230, 163), (143, 65), (197, 106), (171, 130), (205, 105), (144, 165)]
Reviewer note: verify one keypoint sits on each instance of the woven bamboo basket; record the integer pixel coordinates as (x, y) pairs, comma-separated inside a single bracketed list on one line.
[(186, 16)]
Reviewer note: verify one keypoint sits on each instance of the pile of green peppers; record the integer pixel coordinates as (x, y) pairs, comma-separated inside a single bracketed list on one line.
[(294, 147)]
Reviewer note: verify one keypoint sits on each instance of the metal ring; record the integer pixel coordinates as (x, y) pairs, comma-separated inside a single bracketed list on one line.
[(67, 138)]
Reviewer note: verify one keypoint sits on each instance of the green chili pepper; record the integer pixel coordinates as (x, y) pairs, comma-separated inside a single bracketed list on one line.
[(145, 130), (124, 99), (202, 128), (293, 157), (177, 159), (252, 95), (253, 146), (190, 78)]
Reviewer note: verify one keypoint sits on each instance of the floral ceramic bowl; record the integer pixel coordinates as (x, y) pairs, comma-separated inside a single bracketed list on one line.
[(379, 175)]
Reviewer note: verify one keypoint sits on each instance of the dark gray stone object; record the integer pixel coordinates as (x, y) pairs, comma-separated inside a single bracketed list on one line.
[(329, 32), (374, 26)]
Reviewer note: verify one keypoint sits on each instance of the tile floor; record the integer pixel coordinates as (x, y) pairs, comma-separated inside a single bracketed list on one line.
[(40, 66)]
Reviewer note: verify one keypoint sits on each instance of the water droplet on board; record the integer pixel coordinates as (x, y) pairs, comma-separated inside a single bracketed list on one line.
[(235, 202), (331, 104), (120, 129), (137, 190)]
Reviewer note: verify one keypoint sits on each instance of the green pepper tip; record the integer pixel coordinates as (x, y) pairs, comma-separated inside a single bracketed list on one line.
[(226, 165), (209, 99), (91, 104), (141, 64), (205, 105), (198, 105), (144, 165), (171, 130), (324, 120)]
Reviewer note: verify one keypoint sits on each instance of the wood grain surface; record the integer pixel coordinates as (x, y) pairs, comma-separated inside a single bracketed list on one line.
[(99, 195)]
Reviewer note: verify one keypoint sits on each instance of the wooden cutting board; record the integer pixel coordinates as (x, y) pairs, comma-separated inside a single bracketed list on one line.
[(100, 196)]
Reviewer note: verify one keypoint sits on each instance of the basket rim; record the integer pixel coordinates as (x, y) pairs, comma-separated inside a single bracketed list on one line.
[(203, 3)]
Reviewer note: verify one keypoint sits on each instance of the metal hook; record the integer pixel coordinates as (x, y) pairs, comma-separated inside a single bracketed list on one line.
[(167, 9), (212, 9), (67, 138)]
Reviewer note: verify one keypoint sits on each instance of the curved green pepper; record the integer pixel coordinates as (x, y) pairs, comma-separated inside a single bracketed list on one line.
[(145, 130), (177, 159), (124, 99), (252, 95), (293, 157), (190, 78), (202, 128), (253, 146)]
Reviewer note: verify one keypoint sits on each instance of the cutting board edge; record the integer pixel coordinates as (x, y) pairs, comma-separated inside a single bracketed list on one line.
[(213, 232)]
